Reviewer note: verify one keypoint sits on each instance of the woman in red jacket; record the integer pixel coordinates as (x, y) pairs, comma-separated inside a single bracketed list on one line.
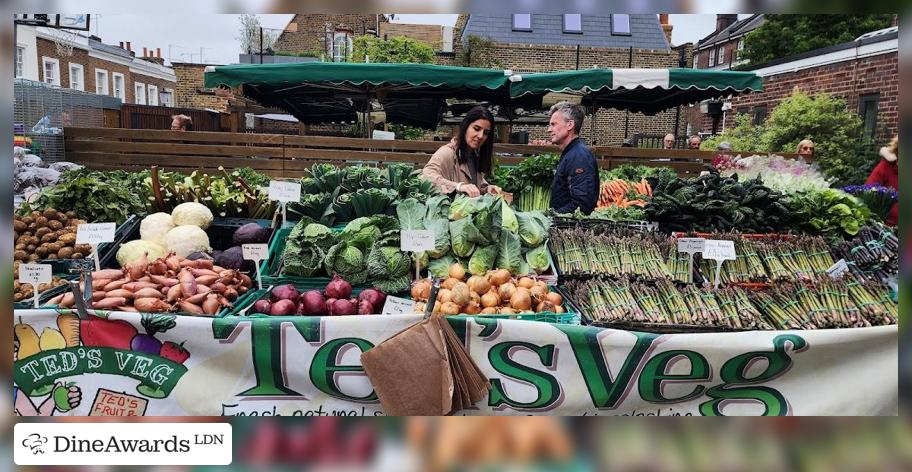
[(887, 174)]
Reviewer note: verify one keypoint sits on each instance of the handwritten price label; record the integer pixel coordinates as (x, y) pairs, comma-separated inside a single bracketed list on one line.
[(416, 240), (398, 306), (719, 250), (35, 274), (255, 252), (284, 191), (691, 245), (835, 271), (95, 233)]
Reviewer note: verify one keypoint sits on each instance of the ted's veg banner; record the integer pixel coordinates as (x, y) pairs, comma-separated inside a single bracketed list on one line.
[(129, 364)]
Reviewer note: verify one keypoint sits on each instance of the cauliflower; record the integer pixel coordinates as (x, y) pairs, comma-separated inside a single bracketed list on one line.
[(192, 213), (155, 226), (184, 239), (130, 251)]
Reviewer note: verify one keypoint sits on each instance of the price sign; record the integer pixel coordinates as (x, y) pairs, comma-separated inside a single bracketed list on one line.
[(284, 191), (719, 250), (691, 245), (835, 271), (95, 233), (416, 240), (255, 252), (398, 306), (35, 275)]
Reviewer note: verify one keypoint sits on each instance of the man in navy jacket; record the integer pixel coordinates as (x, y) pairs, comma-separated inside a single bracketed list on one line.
[(576, 181)]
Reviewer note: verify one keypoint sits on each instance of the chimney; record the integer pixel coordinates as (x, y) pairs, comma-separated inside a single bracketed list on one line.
[(158, 52), (121, 45), (129, 47), (724, 21), (666, 26), (145, 52)]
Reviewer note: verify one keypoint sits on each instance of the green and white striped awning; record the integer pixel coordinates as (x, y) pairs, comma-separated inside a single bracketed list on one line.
[(640, 90)]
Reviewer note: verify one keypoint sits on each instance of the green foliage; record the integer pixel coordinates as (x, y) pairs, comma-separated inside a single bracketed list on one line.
[(841, 152), (785, 35), (398, 49), (295, 54), (406, 132), (479, 52), (829, 212), (635, 173), (95, 196)]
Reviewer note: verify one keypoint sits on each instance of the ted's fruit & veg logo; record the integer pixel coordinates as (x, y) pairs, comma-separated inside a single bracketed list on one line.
[(94, 345)]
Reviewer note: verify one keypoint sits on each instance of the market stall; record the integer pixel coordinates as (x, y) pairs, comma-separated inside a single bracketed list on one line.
[(755, 289)]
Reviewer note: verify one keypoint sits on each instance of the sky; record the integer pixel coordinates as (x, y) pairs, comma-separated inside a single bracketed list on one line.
[(187, 38)]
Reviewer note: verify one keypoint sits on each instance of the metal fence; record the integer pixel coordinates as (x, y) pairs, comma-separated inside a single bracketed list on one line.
[(41, 111)]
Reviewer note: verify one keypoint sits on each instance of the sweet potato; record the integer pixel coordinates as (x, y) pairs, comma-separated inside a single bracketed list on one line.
[(137, 286), (68, 300), (121, 292), (188, 307), (162, 280), (187, 283), (211, 305), (110, 274), (98, 284), (109, 303), (97, 296), (151, 305), (127, 308), (148, 292), (200, 272), (196, 299), (206, 279), (115, 284), (174, 293)]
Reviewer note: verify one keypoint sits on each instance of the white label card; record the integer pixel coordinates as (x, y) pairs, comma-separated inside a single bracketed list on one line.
[(284, 191), (35, 274), (255, 252), (95, 233), (398, 306), (691, 245), (719, 250), (835, 271), (416, 240)]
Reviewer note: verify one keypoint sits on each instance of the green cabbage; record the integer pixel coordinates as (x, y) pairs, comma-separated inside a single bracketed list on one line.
[(388, 269), (463, 234), (508, 217), (438, 207), (488, 220), (537, 258), (441, 229), (465, 206), (440, 268), (482, 260), (509, 254), (411, 214), (348, 261), (533, 228)]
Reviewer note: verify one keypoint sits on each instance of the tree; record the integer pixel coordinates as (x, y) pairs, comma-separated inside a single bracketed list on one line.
[(398, 49), (250, 35), (785, 35), (841, 151), (479, 52)]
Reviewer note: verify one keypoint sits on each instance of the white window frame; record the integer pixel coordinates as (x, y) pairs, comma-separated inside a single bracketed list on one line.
[(342, 40), (139, 93), (169, 94), (620, 19), (80, 85), (152, 96), (712, 57), (575, 16), (19, 64), (106, 89), (515, 16), (122, 95), (696, 64), (721, 54), (55, 80), (740, 49)]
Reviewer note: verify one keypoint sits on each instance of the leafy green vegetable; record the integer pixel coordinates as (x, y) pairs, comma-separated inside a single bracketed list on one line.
[(533, 228), (464, 234), (508, 217), (348, 261), (482, 259), (509, 254), (411, 214), (93, 197), (530, 181), (311, 205), (441, 267), (388, 269), (441, 229), (306, 248), (488, 220), (438, 207), (829, 212), (537, 258), (366, 232), (464, 206), (635, 173)]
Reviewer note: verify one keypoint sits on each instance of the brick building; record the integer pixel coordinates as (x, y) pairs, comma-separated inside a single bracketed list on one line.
[(864, 72), (721, 49), (190, 92), (95, 67), (545, 43)]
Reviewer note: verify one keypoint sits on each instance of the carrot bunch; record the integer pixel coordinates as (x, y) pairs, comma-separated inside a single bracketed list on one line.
[(623, 194)]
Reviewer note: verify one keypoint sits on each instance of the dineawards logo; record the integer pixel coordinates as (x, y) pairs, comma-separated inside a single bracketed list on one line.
[(123, 444)]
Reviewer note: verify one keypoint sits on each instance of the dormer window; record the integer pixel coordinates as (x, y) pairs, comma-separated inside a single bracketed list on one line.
[(522, 22)]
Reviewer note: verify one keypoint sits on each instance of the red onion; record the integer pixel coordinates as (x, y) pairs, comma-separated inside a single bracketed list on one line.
[(365, 308), (374, 296), (338, 288), (312, 303), (343, 307), (262, 306), (283, 307), (285, 292), (329, 304)]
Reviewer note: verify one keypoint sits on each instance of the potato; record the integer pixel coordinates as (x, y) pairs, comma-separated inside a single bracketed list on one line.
[(71, 214), (52, 256), (78, 255), (41, 221), (42, 231), (83, 248), (54, 247), (50, 214), (33, 258), (49, 237), (42, 250), (19, 226), (68, 238), (30, 248), (32, 226), (65, 252), (20, 255), (21, 246), (54, 224)]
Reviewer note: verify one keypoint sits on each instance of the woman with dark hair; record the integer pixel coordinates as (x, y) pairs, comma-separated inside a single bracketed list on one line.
[(462, 165)]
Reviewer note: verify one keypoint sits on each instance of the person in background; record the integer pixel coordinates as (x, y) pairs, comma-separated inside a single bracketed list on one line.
[(694, 142), (886, 174), (576, 180), (806, 148), (668, 142), (181, 123), (462, 165)]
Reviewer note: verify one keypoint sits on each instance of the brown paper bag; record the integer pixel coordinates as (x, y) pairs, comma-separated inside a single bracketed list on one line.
[(411, 372)]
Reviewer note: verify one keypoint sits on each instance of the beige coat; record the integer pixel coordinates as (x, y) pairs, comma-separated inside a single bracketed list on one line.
[(445, 172)]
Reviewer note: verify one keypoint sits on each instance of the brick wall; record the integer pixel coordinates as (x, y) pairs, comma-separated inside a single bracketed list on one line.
[(431, 34), (731, 51), (849, 80), (307, 32), (189, 82)]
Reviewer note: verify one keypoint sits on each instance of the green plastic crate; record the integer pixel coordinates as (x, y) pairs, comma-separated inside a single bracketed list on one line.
[(45, 296), (568, 318)]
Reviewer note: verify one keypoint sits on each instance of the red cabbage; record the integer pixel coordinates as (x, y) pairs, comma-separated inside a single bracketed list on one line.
[(251, 233)]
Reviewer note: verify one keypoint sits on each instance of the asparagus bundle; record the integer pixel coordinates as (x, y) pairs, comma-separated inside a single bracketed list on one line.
[(873, 253), (583, 252)]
